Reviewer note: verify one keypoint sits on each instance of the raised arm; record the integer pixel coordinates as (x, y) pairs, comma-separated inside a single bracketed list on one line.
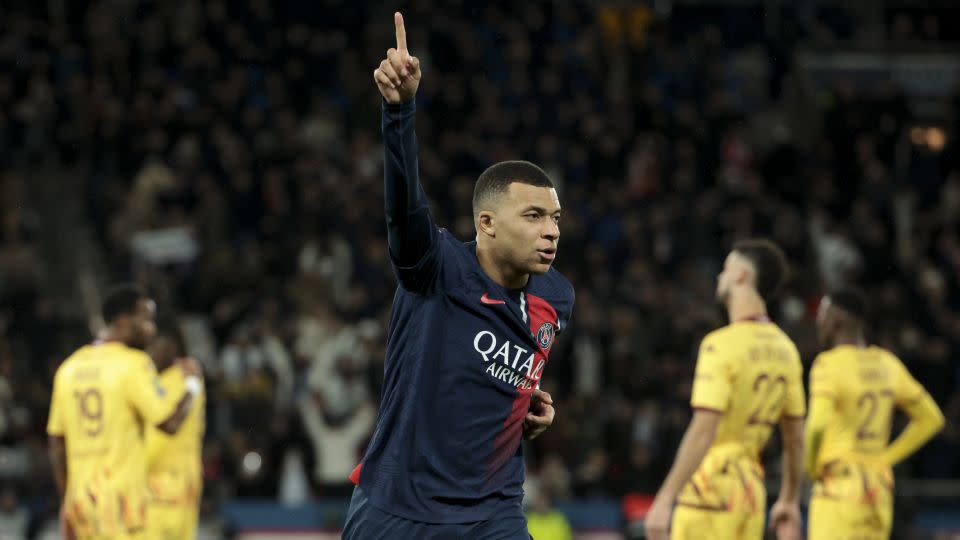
[(410, 228)]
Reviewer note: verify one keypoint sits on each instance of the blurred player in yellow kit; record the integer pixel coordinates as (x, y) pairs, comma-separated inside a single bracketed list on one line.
[(174, 476), (748, 380), (854, 388), (104, 397)]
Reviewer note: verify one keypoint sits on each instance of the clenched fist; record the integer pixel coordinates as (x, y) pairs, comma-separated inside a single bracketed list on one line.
[(398, 75)]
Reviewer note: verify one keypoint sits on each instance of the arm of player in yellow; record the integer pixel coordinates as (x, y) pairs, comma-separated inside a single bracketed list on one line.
[(694, 446), (709, 399), (823, 394), (791, 431), (926, 420), (57, 447), (822, 409), (153, 402)]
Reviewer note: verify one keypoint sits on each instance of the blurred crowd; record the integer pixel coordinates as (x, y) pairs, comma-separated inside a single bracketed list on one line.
[(230, 161)]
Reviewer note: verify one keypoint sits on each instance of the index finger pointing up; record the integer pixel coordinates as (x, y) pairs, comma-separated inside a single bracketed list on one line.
[(401, 32)]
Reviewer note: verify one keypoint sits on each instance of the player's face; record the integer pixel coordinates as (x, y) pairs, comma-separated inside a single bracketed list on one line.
[(735, 269), (163, 350), (143, 327), (528, 227)]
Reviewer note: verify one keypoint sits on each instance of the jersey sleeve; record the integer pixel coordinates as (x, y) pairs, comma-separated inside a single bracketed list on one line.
[(711, 382), (147, 394), (55, 423), (795, 405), (906, 388), (412, 235), (822, 381)]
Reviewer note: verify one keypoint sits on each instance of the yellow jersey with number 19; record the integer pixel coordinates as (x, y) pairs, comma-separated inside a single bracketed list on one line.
[(103, 397), (750, 372)]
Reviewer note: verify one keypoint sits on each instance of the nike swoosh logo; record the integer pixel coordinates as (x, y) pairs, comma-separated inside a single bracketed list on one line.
[(487, 300)]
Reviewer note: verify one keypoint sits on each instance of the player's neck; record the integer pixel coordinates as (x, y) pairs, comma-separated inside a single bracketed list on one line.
[(745, 304), (499, 272), (852, 338), (111, 335)]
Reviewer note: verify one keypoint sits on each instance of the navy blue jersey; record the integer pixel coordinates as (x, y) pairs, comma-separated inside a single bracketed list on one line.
[(464, 355)]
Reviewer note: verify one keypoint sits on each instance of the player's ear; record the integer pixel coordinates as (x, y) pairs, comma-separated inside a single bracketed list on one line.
[(486, 223)]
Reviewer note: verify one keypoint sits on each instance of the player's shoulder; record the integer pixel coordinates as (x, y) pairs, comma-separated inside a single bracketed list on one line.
[(124, 359), (130, 355), (725, 334), (887, 357), (172, 375), (833, 357), (74, 357)]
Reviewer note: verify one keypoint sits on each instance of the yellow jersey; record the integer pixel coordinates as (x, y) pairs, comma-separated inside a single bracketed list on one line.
[(751, 372), (865, 385), (104, 395), (175, 461)]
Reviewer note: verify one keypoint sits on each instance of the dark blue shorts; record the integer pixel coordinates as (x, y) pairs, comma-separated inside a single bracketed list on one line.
[(365, 522)]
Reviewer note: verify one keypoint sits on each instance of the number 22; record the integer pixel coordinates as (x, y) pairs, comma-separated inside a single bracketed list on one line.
[(773, 390)]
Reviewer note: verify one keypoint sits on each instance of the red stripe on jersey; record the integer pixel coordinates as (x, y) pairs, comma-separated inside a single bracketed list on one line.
[(543, 327), (355, 475)]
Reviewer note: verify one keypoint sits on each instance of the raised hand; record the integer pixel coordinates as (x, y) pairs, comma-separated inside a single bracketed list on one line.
[(398, 75)]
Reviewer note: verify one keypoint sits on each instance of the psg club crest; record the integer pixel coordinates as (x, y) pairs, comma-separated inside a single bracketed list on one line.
[(545, 335)]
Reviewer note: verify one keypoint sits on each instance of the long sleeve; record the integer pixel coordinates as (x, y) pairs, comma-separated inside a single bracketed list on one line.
[(820, 416), (411, 231), (925, 421)]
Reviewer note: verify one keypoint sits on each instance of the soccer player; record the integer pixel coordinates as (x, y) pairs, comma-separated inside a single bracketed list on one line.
[(470, 333), (174, 462), (854, 388), (748, 380), (104, 396)]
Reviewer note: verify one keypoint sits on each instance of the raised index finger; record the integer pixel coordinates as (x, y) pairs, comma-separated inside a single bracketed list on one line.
[(401, 31)]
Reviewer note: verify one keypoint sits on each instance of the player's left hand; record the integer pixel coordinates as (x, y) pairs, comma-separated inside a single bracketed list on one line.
[(657, 521), (540, 416), (785, 520)]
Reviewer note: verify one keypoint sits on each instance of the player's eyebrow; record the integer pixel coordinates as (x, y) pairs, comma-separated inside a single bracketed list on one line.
[(539, 210)]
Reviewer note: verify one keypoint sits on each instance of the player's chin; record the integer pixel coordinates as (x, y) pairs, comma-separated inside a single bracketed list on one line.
[(539, 268)]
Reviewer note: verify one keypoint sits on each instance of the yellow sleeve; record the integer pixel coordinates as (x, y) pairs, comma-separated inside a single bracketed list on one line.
[(711, 382), (795, 405), (906, 388), (822, 381), (146, 393), (822, 409), (55, 421), (823, 396), (926, 419)]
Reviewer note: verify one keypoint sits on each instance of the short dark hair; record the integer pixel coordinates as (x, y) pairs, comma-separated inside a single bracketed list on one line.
[(121, 300), (495, 181), (769, 262), (851, 300)]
